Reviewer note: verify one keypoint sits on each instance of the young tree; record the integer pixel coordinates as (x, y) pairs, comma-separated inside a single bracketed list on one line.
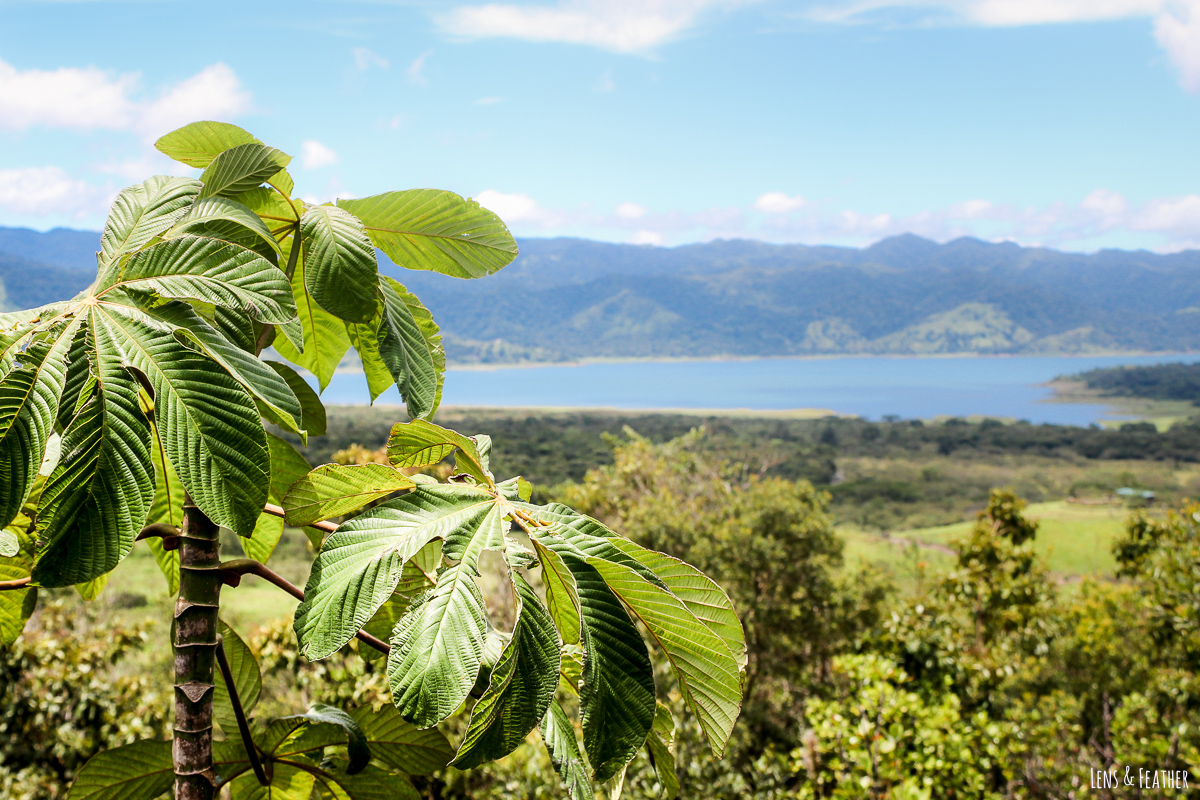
[(139, 411)]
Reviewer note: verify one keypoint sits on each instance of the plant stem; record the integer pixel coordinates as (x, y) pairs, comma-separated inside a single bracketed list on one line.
[(232, 571), (240, 713), (195, 654)]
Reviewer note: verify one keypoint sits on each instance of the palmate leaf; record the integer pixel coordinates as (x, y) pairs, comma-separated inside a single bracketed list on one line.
[(208, 423), (199, 143), (324, 335), (312, 410), (420, 443), (434, 230), (141, 213), (433, 340), (371, 783), (407, 351), (211, 271), (707, 672), (661, 747), (360, 564), (224, 218), (287, 783), (559, 736), (562, 595), (522, 685), (98, 496), (339, 263), (241, 168), (17, 605), (138, 771), (166, 508), (364, 338), (287, 467), (398, 744), (247, 679), (334, 490), (272, 394), (437, 648), (28, 406)]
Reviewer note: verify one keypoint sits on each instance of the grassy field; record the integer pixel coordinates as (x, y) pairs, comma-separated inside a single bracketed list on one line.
[(1075, 539)]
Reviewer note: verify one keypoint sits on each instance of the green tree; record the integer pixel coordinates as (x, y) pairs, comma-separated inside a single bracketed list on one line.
[(139, 410)]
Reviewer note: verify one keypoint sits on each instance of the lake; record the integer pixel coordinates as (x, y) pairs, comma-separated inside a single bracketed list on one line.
[(871, 387)]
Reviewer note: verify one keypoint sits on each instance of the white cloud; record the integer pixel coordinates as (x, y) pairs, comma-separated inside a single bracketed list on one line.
[(314, 155), (41, 191), (214, 93), (364, 59), (1178, 32), (778, 203), (647, 237), (1176, 22), (89, 99), (509, 207), (625, 26), (416, 70), (631, 211), (489, 101)]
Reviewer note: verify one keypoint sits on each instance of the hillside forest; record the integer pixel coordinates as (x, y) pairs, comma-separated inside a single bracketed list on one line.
[(902, 295), (950, 609)]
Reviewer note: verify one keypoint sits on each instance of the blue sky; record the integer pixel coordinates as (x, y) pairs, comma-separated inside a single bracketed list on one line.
[(1067, 123)]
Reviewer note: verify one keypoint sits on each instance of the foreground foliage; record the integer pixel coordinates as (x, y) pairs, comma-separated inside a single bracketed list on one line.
[(139, 410)]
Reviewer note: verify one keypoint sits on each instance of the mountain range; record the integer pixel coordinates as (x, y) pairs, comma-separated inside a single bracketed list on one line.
[(574, 298)]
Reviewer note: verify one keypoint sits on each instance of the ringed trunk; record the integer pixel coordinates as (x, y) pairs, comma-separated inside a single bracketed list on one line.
[(195, 654)]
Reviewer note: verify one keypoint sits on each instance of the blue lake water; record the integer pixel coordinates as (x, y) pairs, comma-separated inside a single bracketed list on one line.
[(872, 387)]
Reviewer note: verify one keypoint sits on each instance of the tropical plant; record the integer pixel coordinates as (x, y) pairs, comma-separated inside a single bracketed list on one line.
[(139, 410)]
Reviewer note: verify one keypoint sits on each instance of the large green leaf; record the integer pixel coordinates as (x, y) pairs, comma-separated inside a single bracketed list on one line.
[(407, 352), (241, 168), (700, 593), (271, 392), (371, 783), (224, 218), (17, 605), (661, 747), (420, 443), (522, 685), (139, 771), (708, 673), (208, 423), (166, 508), (433, 339), (28, 407), (142, 212), (559, 736), (198, 143), (435, 230), (364, 337), (562, 596), (312, 410), (617, 696), (247, 680), (330, 726), (287, 467), (287, 783), (325, 337), (361, 563), (437, 648), (339, 263), (334, 490), (98, 496), (212, 271), (400, 745)]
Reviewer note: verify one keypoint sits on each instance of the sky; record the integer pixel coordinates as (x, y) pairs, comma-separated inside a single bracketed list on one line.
[(1072, 124)]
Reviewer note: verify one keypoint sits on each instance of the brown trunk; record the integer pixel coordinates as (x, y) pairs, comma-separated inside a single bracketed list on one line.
[(195, 653)]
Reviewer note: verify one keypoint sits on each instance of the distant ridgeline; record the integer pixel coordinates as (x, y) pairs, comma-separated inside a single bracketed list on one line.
[(1156, 382), (572, 298)]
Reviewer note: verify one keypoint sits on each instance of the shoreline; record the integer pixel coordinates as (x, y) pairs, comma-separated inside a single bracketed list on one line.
[(582, 362)]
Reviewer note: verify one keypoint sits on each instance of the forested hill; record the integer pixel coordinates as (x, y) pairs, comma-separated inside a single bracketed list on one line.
[(572, 298)]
